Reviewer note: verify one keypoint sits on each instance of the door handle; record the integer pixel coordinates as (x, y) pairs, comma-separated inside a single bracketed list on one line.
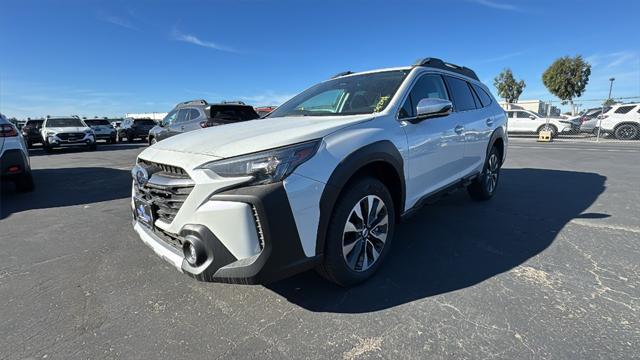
[(459, 129), (489, 122)]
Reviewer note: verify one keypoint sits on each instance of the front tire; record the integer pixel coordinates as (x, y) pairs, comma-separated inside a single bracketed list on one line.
[(486, 184), (546, 127), (360, 233)]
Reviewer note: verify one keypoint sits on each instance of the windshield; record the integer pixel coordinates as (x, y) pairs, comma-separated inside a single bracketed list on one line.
[(144, 122), (71, 122), (351, 95), (97, 122)]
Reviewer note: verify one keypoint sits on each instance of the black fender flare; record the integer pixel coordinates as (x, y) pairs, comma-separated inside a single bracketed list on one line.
[(380, 151), (497, 134)]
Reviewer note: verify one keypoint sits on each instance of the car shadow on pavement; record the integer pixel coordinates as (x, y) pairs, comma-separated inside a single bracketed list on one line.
[(456, 243), (39, 151), (66, 187)]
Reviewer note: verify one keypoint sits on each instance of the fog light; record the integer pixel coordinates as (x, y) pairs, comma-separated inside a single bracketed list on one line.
[(14, 169), (194, 251)]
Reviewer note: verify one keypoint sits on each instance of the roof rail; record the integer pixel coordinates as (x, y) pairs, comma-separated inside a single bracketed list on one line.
[(344, 73), (194, 102), (439, 64)]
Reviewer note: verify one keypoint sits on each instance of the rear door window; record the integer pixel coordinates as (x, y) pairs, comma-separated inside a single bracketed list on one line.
[(461, 94), (183, 115)]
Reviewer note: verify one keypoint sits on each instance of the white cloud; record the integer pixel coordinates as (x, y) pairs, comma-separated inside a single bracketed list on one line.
[(496, 5), (192, 39), (118, 21)]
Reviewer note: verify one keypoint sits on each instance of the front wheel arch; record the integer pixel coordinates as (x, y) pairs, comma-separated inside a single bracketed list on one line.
[(381, 160)]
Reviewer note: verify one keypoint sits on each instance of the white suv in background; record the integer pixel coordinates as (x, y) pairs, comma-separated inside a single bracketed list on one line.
[(65, 131), (622, 121), (529, 122), (322, 181)]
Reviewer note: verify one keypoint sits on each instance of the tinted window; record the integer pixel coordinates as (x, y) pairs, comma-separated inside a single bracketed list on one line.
[(145, 122), (64, 123), (193, 114), (624, 109), (522, 115), (461, 93), (427, 87), (233, 113), (182, 115), (97, 122), (485, 98), (34, 124)]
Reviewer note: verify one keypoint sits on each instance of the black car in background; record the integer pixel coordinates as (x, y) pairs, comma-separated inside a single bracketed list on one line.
[(196, 114), (132, 129), (31, 132)]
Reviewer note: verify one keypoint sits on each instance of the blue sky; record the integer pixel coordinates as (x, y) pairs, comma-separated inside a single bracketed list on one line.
[(110, 57)]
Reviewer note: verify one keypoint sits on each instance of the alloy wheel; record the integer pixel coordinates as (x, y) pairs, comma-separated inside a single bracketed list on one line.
[(492, 173), (365, 233), (627, 132)]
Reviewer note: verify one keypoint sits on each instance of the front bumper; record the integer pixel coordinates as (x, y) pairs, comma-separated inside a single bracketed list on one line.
[(265, 239), (55, 141)]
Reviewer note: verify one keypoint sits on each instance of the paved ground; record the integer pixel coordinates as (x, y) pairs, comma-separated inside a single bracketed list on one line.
[(550, 268)]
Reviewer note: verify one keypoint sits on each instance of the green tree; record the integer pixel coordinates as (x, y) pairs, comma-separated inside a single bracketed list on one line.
[(567, 78), (609, 102), (508, 88)]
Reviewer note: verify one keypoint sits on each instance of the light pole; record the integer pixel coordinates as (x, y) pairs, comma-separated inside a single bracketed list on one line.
[(611, 80)]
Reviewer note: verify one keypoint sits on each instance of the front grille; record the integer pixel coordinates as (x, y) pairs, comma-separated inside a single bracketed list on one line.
[(167, 170), (166, 190), (169, 238), (66, 136)]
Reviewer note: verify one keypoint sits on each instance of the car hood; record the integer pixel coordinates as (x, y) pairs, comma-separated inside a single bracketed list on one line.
[(66, 129), (256, 135)]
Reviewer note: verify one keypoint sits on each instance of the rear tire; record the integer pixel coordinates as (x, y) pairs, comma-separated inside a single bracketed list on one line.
[(626, 132), (358, 240), (152, 141), (25, 183), (485, 185)]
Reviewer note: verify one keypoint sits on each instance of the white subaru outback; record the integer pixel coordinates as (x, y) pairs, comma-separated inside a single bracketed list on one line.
[(323, 180)]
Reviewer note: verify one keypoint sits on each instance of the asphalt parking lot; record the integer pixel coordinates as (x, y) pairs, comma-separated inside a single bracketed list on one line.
[(550, 268)]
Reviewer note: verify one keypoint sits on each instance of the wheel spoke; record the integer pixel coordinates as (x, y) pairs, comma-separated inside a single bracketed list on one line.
[(355, 255), (382, 220), (348, 248), (351, 227)]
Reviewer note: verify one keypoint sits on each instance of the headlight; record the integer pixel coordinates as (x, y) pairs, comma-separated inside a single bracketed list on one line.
[(266, 166), (49, 133), (89, 132)]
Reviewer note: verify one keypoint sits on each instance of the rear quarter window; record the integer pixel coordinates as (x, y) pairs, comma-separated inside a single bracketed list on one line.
[(624, 109), (485, 98)]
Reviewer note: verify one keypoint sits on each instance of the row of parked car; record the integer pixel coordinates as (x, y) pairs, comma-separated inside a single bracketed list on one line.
[(621, 121), (62, 131)]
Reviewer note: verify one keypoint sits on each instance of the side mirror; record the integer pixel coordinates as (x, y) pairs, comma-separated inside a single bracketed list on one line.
[(430, 108), (532, 117)]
